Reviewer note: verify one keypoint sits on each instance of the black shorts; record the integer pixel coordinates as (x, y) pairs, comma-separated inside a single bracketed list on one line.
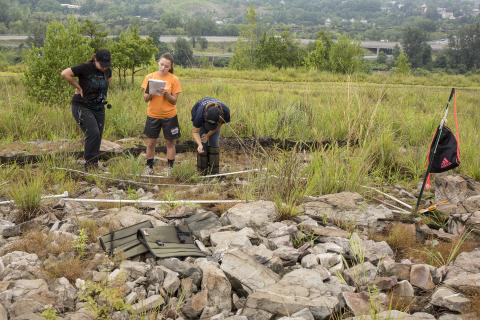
[(170, 127)]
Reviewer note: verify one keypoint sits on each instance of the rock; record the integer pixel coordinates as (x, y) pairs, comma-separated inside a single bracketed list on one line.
[(299, 289), (131, 298), (65, 293), (225, 239), (280, 229), (3, 313), (361, 274), (218, 288), (387, 315), (156, 275), (126, 216), (148, 304), (110, 147), (185, 269), (452, 188), (194, 306), (20, 265), (423, 316), (304, 314), (265, 257), (385, 283), (202, 223), (4, 224), (134, 269), (361, 303), (284, 241), (447, 298), (171, 283), (81, 314), (325, 231), (472, 204), (466, 262), (246, 271), (309, 261), (399, 270), (289, 255), (256, 215), (421, 277), (348, 208), (256, 314), (403, 289)]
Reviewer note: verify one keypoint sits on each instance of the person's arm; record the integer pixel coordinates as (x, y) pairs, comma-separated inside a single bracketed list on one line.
[(197, 139), (68, 75), (146, 96), (211, 132), (170, 97)]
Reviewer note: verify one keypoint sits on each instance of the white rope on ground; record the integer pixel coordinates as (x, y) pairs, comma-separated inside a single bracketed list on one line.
[(391, 205), (210, 175), (389, 196), (129, 181), (126, 201), (55, 196)]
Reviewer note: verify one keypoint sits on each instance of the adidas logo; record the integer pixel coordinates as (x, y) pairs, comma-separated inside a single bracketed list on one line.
[(445, 163)]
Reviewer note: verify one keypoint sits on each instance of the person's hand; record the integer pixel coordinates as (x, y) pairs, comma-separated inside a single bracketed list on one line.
[(200, 148), (147, 97), (204, 138), (79, 91)]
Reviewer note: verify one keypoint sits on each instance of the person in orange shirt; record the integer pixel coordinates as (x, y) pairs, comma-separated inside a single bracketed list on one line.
[(161, 111)]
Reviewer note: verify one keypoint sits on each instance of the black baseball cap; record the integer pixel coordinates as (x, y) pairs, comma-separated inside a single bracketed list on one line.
[(103, 57), (212, 118)]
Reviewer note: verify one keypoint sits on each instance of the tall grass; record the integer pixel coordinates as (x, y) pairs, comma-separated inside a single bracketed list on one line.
[(392, 116), (27, 193)]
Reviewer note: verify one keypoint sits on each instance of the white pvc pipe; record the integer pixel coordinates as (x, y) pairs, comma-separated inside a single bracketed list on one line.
[(56, 196), (126, 201), (210, 175), (391, 197)]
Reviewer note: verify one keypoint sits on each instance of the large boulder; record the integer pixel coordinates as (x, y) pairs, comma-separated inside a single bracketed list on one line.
[(19, 265), (347, 208), (299, 289), (447, 298), (246, 272), (202, 223), (217, 287), (256, 215), (454, 188)]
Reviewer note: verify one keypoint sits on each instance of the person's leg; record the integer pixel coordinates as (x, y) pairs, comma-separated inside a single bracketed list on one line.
[(151, 131), (171, 132), (100, 118), (85, 118), (171, 152), (213, 151)]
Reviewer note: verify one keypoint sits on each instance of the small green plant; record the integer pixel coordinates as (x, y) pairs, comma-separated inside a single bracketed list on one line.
[(438, 258), (132, 194), (80, 244), (302, 237), (104, 298), (49, 314), (27, 194)]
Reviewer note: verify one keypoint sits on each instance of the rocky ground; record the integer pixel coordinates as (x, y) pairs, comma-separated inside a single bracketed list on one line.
[(320, 264)]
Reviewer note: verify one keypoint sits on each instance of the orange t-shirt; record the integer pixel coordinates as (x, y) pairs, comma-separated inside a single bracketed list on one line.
[(158, 106)]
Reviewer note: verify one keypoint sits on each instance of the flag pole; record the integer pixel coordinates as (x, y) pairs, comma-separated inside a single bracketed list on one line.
[(434, 149)]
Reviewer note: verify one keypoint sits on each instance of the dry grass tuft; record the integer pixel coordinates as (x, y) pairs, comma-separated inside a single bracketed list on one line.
[(41, 244), (71, 268)]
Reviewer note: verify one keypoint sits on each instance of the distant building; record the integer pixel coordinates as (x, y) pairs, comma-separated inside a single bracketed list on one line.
[(424, 8), (445, 14), (328, 22), (70, 6)]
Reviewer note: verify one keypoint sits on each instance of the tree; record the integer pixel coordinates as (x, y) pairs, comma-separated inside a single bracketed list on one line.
[(346, 56), (95, 33), (318, 58), (402, 66), (64, 47), (182, 52), (415, 46), (382, 57), (203, 42), (464, 48), (280, 51), (131, 52), (245, 48)]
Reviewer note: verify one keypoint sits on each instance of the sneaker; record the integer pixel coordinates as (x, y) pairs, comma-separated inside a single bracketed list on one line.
[(148, 171), (167, 172)]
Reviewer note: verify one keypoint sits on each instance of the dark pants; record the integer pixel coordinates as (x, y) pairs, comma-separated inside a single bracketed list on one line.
[(91, 120)]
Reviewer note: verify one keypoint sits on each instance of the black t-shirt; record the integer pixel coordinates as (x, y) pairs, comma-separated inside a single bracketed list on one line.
[(94, 84)]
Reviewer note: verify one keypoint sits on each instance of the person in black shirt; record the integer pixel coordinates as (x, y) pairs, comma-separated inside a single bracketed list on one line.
[(88, 102), (208, 116)]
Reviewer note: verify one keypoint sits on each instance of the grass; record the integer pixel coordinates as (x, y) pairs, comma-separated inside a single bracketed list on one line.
[(186, 171), (27, 194)]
